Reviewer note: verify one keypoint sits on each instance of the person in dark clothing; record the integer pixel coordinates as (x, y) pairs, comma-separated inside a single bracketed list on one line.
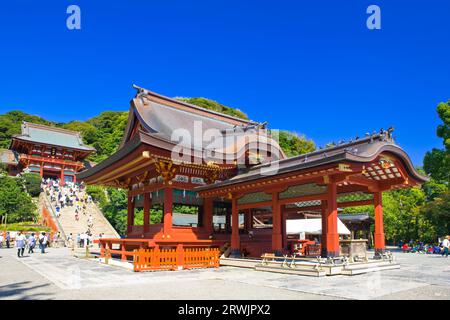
[(31, 243), (8, 239)]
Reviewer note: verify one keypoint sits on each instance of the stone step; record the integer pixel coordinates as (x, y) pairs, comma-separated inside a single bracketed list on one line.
[(355, 269), (298, 271)]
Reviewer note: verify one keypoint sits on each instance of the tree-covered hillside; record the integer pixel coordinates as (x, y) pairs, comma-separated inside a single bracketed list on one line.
[(104, 132), (10, 124), (214, 106)]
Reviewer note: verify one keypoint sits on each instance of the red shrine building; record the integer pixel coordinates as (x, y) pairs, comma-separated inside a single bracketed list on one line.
[(243, 185), (51, 152)]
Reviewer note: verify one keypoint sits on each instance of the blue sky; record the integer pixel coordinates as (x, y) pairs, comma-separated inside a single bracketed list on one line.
[(308, 66)]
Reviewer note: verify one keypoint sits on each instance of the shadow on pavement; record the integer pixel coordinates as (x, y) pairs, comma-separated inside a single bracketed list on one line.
[(21, 291)]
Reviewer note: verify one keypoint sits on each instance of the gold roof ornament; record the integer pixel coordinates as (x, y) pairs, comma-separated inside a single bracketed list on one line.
[(166, 169)]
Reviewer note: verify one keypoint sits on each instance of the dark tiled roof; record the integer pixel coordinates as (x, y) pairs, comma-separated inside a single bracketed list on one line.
[(166, 121), (9, 157), (361, 150), (52, 136), (356, 217)]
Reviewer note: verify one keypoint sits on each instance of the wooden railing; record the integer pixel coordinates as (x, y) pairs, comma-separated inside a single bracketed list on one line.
[(47, 220), (147, 254), (175, 259)]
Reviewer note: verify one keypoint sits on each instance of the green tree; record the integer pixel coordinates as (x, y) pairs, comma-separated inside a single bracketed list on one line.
[(294, 144), (443, 130), (436, 212), (214, 106), (115, 209), (32, 182), (10, 124), (437, 161), (14, 201), (437, 216)]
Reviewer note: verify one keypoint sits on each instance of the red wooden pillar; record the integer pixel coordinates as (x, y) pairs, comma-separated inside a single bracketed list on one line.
[(283, 227), (277, 244), (168, 196), (42, 170), (248, 219), (331, 233), (147, 205), (130, 220), (379, 228), (62, 177), (208, 214), (235, 241), (323, 242), (74, 178), (227, 221)]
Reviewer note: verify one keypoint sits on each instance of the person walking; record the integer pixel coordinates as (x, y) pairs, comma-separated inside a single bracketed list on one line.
[(1, 240), (445, 246), (20, 244), (31, 243), (42, 241), (8, 239)]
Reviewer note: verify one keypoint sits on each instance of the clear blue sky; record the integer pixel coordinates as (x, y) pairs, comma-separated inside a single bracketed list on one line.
[(307, 66)]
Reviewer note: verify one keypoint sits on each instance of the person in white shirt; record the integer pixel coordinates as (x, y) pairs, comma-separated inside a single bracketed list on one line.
[(20, 244), (445, 246), (1, 240), (42, 241)]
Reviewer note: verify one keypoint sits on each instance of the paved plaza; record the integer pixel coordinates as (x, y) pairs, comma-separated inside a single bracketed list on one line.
[(58, 275)]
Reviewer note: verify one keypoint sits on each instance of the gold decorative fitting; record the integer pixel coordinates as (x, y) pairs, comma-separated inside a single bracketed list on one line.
[(146, 154), (166, 170), (344, 167), (326, 179), (386, 163)]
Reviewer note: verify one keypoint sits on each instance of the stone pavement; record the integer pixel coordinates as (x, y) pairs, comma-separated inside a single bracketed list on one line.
[(57, 275)]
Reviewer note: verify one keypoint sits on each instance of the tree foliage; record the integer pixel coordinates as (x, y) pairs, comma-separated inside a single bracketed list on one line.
[(215, 106), (294, 144), (443, 130), (10, 124), (32, 182), (15, 201)]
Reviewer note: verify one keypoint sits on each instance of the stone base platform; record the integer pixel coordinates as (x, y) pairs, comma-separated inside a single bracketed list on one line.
[(311, 268), (370, 266)]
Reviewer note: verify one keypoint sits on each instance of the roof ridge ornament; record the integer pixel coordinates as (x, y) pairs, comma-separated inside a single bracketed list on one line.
[(141, 94)]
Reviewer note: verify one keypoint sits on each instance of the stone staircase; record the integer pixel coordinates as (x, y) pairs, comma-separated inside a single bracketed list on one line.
[(69, 224)]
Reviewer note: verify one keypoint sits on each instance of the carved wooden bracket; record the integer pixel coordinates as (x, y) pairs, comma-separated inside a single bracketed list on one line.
[(166, 169)]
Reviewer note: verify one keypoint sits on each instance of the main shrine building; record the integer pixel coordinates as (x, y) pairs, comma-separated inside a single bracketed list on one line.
[(236, 174), (52, 152)]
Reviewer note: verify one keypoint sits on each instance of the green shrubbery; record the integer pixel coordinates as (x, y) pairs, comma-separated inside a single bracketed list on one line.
[(32, 182), (27, 226), (15, 202)]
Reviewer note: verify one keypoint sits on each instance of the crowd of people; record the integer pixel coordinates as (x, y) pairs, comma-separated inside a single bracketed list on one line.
[(70, 195), (81, 240), (442, 248), (24, 241)]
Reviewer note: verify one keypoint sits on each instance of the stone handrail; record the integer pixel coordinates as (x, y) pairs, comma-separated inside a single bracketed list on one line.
[(48, 205)]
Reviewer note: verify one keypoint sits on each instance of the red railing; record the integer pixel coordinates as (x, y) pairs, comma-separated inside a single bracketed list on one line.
[(47, 220), (148, 254), (175, 259)]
